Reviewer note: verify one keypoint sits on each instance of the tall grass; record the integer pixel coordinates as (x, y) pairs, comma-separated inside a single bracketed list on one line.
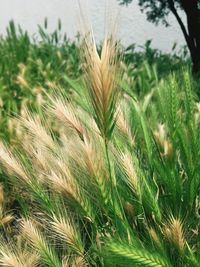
[(30, 65), (33, 65), (104, 180)]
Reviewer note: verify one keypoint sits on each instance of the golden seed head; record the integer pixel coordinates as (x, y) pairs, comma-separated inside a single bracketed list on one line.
[(173, 231)]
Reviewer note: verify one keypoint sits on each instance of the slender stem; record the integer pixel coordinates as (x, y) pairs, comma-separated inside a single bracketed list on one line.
[(108, 159), (110, 171), (114, 192)]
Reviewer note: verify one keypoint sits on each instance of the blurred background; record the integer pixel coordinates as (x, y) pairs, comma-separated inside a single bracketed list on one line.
[(39, 48), (134, 28)]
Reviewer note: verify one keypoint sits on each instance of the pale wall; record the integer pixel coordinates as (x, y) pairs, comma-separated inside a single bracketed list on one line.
[(133, 26)]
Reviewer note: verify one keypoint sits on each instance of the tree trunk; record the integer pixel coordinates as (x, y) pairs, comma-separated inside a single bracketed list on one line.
[(192, 33), (193, 21)]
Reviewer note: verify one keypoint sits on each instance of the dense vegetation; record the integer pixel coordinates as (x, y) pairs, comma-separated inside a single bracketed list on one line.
[(30, 66), (158, 10), (102, 166)]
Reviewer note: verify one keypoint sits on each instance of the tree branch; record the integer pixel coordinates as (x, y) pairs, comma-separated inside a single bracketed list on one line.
[(180, 22)]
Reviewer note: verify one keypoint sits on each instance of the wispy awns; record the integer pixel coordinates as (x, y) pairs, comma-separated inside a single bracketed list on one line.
[(12, 164), (126, 162), (15, 256), (77, 261), (35, 237), (36, 130), (63, 184), (89, 156), (102, 79), (66, 231), (94, 196), (124, 127), (66, 113), (31, 233), (174, 232)]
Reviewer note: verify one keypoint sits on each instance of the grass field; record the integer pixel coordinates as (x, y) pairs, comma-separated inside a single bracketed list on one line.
[(99, 152)]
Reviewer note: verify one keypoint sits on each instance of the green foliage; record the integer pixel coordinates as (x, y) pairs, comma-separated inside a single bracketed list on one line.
[(129, 255), (31, 65), (80, 199), (157, 10), (131, 203)]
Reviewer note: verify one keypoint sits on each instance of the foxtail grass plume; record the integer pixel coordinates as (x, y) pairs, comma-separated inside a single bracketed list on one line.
[(162, 140), (64, 186), (11, 163), (124, 127), (11, 256), (65, 230), (34, 126), (154, 236), (102, 79), (77, 261), (35, 237), (127, 164), (66, 113), (174, 232)]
